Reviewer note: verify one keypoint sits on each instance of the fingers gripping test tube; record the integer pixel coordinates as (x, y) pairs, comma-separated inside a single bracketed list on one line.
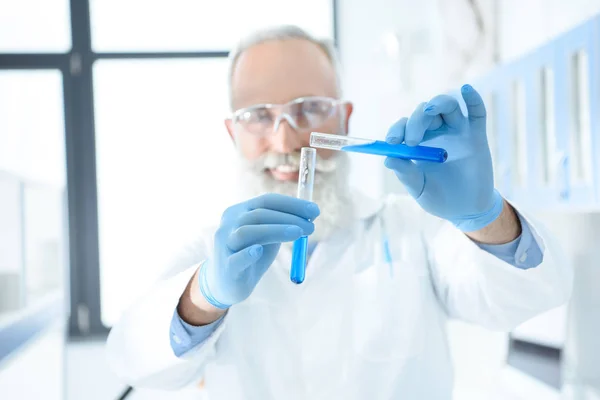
[(306, 178)]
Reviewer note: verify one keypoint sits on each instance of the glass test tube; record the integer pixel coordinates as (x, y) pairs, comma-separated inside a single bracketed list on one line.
[(377, 147), (306, 178)]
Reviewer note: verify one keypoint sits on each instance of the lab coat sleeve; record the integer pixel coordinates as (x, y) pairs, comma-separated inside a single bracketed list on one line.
[(139, 347), (476, 286), (185, 337), (523, 252)]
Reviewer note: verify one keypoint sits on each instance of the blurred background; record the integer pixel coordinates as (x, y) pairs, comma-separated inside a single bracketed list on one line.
[(111, 126)]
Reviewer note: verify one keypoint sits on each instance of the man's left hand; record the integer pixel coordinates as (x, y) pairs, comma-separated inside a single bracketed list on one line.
[(460, 190)]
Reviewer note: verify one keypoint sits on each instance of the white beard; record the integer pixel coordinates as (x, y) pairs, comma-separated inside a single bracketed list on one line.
[(331, 189)]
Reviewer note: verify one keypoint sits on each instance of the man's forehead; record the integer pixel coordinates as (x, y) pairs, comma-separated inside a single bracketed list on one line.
[(278, 71)]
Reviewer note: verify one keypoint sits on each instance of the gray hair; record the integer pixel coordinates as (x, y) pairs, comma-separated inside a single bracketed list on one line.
[(282, 33)]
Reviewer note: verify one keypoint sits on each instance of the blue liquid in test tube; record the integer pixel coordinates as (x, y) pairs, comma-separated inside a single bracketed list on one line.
[(306, 177), (299, 253), (377, 147)]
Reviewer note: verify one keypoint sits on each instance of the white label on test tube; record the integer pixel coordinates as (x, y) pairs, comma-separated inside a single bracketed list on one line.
[(335, 142)]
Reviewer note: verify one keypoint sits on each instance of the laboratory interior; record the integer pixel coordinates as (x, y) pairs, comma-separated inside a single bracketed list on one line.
[(158, 221)]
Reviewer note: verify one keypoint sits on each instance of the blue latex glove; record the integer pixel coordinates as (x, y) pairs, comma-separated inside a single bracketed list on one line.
[(461, 190), (247, 243)]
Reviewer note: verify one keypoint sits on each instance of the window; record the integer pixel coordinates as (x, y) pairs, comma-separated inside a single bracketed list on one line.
[(162, 150), (519, 132), (11, 250), (153, 113), (197, 25), (580, 138), (547, 126), (35, 26), (32, 187), (44, 241), (32, 125)]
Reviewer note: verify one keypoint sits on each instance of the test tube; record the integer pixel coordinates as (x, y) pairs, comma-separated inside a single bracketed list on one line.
[(377, 147), (306, 178)]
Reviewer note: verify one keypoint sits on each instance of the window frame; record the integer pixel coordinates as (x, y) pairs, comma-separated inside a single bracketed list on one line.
[(76, 68)]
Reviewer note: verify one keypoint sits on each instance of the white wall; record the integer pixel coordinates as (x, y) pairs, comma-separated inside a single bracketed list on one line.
[(526, 24), (581, 357)]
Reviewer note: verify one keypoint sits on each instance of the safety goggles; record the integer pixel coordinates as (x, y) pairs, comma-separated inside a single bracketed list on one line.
[(303, 114)]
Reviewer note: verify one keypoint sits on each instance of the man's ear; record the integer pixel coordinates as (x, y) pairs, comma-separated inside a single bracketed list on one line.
[(348, 108), (229, 126)]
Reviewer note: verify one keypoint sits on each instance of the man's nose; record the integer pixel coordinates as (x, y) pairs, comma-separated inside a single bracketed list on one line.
[(285, 138)]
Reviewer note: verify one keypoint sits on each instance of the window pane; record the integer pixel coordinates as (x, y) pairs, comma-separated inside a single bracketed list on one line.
[(44, 217), (188, 25), (162, 150), (11, 251), (35, 26), (32, 128), (32, 186)]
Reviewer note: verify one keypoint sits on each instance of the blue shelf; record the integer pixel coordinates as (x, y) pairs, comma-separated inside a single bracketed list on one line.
[(536, 166)]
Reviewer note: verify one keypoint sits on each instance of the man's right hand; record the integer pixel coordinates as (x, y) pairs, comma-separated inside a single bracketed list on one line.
[(247, 243)]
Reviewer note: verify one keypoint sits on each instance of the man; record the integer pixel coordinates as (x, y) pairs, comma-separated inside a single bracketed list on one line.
[(383, 276)]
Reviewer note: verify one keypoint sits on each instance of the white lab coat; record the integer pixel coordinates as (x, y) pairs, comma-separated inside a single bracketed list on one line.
[(359, 327)]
